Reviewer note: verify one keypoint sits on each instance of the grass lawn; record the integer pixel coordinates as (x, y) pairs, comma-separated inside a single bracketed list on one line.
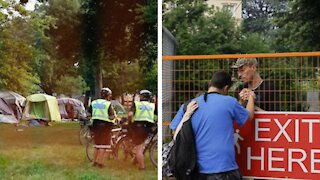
[(54, 152)]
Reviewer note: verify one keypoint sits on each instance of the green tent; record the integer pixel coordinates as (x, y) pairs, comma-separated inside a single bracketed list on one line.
[(42, 106)]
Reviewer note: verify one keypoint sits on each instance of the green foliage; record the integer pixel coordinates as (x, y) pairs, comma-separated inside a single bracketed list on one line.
[(41, 49), (118, 31), (298, 26), (148, 17), (70, 85), (52, 73), (10, 10), (61, 49), (213, 31), (201, 30), (294, 84), (79, 37), (297, 31), (268, 26), (254, 43), (123, 77), (17, 50), (148, 58), (259, 14), (151, 80), (66, 35)]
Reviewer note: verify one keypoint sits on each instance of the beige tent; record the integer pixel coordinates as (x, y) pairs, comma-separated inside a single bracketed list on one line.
[(15, 101), (75, 105), (6, 113), (42, 106)]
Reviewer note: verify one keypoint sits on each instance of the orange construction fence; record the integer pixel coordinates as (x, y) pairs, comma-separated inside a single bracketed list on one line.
[(296, 76)]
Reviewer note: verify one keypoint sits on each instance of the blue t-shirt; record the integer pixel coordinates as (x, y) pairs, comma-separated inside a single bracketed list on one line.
[(177, 118), (212, 124)]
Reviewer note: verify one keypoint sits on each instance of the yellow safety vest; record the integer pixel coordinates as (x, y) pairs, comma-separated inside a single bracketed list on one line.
[(144, 111), (100, 109)]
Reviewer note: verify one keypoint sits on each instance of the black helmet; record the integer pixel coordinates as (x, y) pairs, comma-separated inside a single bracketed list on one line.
[(145, 93), (105, 92)]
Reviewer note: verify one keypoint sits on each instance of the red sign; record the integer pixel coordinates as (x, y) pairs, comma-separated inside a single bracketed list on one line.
[(280, 145)]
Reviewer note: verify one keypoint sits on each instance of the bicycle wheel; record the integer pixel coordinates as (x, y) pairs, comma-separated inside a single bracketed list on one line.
[(90, 150), (124, 149), (153, 153), (85, 135)]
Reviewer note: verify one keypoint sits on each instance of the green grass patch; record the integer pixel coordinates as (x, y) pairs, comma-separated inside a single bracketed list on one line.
[(34, 169), (54, 152)]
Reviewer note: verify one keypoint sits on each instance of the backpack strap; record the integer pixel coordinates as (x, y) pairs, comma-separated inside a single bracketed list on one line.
[(205, 96)]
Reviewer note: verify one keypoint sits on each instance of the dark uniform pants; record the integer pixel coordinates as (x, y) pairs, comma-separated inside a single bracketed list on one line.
[(229, 175), (102, 132), (140, 131)]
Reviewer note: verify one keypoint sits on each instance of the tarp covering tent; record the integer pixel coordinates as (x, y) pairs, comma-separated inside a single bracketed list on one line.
[(42, 106), (120, 110), (71, 108), (6, 113), (13, 97), (15, 101)]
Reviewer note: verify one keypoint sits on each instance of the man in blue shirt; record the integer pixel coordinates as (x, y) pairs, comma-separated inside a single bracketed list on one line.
[(177, 118), (212, 125)]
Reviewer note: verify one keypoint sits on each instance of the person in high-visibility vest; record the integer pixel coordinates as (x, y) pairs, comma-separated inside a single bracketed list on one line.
[(102, 115), (141, 117)]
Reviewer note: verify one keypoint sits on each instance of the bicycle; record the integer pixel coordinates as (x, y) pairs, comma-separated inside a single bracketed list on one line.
[(152, 146), (85, 133), (118, 132), (125, 147)]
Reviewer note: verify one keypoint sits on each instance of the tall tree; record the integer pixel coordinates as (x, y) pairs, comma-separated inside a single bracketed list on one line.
[(193, 22), (19, 32), (111, 33), (258, 15), (298, 26), (149, 18), (62, 49), (148, 58)]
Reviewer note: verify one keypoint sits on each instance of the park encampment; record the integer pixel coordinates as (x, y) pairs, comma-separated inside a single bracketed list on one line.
[(42, 106), (55, 57), (71, 108)]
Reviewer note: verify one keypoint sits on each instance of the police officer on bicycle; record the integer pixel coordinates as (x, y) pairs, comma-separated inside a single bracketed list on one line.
[(141, 117), (102, 115)]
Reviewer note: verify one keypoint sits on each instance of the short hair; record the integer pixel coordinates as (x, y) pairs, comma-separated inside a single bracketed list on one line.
[(220, 79)]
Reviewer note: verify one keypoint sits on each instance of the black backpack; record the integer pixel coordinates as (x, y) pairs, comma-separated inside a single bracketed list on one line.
[(179, 156)]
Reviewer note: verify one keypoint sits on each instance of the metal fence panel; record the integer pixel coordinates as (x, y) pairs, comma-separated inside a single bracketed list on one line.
[(296, 76)]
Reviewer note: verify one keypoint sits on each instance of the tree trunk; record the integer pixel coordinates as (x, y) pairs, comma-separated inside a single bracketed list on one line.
[(98, 81)]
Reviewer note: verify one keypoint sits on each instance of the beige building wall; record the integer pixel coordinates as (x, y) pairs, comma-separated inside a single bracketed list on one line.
[(234, 6)]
